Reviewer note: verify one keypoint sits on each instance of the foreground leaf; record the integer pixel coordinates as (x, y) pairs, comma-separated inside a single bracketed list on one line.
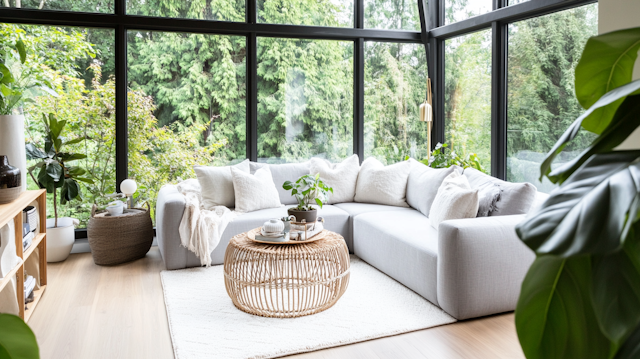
[(573, 130), (606, 63), (17, 341), (588, 213), (554, 316), (631, 347)]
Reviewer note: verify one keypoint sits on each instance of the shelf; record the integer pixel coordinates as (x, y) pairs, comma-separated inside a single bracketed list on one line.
[(37, 294), (34, 244), (6, 279), (9, 210)]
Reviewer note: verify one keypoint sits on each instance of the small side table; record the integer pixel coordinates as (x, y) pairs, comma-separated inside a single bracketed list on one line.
[(286, 281)]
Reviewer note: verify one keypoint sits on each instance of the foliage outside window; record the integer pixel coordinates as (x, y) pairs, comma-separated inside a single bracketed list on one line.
[(305, 99), (97, 6), (221, 10), (543, 53), (458, 10), (468, 95), (391, 14), (395, 85), (335, 13)]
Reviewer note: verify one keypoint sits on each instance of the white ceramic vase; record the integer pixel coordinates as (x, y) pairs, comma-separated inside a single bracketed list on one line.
[(60, 239), (12, 144)]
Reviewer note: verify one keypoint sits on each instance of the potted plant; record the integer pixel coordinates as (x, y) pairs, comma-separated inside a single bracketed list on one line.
[(307, 190), (56, 175), (441, 158), (18, 83)]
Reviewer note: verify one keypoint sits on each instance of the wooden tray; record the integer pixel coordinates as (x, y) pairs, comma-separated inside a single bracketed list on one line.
[(252, 236)]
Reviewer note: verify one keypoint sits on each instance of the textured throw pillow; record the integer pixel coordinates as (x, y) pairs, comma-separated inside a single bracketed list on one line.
[(423, 185), (254, 191), (383, 185), (488, 198), (281, 173), (217, 184), (455, 200), (342, 177), (515, 198)]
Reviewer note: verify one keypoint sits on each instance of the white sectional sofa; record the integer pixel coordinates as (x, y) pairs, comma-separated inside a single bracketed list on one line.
[(468, 267)]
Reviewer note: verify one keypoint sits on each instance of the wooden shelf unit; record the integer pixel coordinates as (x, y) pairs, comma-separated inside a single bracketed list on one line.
[(13, 212)]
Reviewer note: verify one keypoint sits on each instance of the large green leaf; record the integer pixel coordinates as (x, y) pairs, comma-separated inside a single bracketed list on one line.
[(615, 290), (588, 213), (16, 339), (606, 63), (34, 153), (66, 157), (631, 347), (7, 77), (45, 181), (625, 121), (554, 315), (54, 170), (21, 51), (573, 130)]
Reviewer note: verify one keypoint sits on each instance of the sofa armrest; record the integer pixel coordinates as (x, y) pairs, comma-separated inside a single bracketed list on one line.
[(170, 207), (481, 265)]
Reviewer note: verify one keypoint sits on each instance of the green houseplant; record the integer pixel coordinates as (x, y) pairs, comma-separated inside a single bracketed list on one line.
[(56, 175), (17, 341), (581, 296), (307, 190), (441, 158)]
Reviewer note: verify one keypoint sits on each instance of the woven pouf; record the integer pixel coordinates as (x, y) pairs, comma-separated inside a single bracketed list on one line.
[(286, 280)]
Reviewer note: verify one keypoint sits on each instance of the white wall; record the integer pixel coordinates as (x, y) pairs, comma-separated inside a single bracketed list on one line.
[(615, 15)]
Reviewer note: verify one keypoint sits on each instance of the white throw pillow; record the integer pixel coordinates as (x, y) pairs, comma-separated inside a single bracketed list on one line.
[(455, 200), (254, 191), (342, 177), (383, 185), (423, 184), (217, 184)]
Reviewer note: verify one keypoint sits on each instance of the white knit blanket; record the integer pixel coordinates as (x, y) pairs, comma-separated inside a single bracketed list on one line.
[(201, 229)]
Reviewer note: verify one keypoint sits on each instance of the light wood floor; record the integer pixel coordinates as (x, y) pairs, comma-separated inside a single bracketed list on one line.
[(94, 312)]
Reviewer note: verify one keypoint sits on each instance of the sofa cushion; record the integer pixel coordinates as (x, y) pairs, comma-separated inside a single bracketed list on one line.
[(382, 184), (281, 173), (217, 184), (355, 209), (455, 200), (254, 191), (342, 177), (423, 184), (401, 244), (515, 198)]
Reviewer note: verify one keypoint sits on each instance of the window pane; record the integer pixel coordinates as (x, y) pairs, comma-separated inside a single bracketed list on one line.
[(543, 54), (78, 63), (305, 99), (99, 6), (187, 105), (391, 14), (468, 95), (395, 86), (336, 13), (458, 10), (220, 10), (513, 2)]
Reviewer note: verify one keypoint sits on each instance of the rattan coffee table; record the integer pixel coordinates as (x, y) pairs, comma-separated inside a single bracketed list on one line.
[(286, 281)]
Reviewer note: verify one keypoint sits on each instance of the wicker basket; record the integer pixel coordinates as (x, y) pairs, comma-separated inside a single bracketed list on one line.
[(120, 239)]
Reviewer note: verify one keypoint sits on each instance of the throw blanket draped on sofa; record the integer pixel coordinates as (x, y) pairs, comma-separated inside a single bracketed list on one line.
[(201, 229)]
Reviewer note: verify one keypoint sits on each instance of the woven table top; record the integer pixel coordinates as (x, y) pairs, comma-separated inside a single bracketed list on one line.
[(329, 242)]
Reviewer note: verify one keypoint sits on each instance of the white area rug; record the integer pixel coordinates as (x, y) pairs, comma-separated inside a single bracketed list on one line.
[(204, 323)]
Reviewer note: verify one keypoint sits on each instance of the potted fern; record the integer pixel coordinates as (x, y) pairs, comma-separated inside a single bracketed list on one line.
[(60, 179), (307, 190)]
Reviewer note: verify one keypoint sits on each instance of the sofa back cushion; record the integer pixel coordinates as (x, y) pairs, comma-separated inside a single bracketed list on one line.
[(217, 184), (515, 198), (254, 191), (342, 177), (383, 185), (281, 173), (455, 200), (423, 184)]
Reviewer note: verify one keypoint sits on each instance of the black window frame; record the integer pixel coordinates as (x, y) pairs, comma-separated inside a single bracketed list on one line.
[(432, 35)]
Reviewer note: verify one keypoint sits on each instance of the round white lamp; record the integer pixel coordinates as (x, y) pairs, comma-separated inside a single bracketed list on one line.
[(129, 187)]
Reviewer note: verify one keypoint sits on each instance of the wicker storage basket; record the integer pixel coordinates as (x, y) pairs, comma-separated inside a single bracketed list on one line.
[(120, 239)]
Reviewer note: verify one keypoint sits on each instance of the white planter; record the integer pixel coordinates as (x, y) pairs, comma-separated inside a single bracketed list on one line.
[(60, 239), (12, 144)]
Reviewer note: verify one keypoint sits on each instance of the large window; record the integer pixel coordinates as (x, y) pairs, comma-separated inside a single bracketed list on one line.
[(543, 54), (222, 10), (305, 99), (187, 104), (395, 85), (468, 95), (391, 14), (307, 12), (78, 63)]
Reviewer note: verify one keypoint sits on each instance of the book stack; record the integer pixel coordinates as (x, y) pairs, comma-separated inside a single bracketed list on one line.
[(29, 286), (27, 236)]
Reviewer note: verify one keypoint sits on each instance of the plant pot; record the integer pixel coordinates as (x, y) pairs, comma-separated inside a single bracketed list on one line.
[(60, 239), (12, 144), (309, 216)]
